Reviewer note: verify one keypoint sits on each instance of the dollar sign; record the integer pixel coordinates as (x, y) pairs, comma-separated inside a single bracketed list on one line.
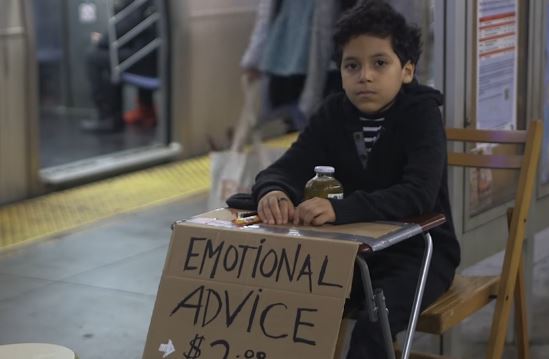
[(194, 352)]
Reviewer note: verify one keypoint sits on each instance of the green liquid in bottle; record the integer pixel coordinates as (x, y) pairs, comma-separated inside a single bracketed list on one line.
[(323, 184)]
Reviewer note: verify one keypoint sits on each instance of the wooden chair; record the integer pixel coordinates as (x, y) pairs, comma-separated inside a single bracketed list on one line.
[(468, 294)]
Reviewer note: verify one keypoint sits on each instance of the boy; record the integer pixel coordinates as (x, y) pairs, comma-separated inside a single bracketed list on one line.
[(385, 137)]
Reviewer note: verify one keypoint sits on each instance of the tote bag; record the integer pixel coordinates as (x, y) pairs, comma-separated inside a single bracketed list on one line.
[(233, 171)]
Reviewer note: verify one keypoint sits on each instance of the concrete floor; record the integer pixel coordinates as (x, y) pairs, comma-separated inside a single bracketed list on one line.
[(93, 290)]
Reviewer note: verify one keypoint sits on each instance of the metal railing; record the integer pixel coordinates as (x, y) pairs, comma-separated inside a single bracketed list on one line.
[(116, 42)]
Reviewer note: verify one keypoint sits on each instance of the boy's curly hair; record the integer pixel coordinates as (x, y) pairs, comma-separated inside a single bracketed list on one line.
[(379, 19)]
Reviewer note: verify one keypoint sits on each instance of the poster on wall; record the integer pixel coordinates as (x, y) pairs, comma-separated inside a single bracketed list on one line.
[(495, 93), (544, 165), (497, 60)]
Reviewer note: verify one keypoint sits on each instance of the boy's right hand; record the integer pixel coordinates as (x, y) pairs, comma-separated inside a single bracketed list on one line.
[(275, 208)]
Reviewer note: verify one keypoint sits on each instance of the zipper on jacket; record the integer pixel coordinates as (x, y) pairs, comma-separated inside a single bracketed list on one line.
[(360, 147)]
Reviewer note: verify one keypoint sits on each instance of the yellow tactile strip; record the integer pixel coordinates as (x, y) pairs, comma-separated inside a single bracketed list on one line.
[(58, 212)]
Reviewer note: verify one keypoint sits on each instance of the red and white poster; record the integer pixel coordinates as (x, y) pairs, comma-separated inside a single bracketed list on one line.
[(497, 64)]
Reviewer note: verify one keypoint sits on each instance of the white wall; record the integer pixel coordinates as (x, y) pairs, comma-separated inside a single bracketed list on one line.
[(14, 132), (208, 40)]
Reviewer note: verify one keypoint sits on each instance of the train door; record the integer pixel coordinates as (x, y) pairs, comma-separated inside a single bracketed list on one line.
[(103, 94)]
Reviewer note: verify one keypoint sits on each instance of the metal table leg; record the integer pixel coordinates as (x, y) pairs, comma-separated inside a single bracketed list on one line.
[(375, 303), (419, 296)]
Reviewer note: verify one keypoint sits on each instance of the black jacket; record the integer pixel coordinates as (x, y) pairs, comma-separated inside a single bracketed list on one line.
[(404, 175)]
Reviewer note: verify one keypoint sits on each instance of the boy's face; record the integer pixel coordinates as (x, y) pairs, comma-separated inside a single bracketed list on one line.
[(371, 72)]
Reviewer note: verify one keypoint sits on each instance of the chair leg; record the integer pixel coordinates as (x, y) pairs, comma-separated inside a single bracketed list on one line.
[(500, 321), (506, 292), (521, 314)]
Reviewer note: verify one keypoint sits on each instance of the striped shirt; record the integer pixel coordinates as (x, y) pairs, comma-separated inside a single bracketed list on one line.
[(371, 128)]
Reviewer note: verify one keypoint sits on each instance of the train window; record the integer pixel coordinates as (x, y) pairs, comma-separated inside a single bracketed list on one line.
[(101, 69)]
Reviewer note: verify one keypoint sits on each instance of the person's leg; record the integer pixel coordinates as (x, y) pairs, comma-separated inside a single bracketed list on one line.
[(285, 90), (144, 113), (283, 94), (397, 276), (106, 96), (145, 97)]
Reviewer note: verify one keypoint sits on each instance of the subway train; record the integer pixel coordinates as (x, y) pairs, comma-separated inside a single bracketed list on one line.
[(47, 95), (91, 90)]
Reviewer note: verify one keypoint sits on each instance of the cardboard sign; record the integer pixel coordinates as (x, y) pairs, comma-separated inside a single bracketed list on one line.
[(237, 292)]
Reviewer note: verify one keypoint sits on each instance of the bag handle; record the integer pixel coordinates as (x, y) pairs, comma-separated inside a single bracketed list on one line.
[(248, 116), (247, 125)]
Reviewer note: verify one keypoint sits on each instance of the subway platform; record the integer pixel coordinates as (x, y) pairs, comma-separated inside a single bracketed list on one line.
[(92, 289)]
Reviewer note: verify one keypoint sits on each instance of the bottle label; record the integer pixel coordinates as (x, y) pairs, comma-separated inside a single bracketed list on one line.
[(335, 195)]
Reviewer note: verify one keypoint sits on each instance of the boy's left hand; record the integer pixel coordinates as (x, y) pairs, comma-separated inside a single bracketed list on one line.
[(315, 211)]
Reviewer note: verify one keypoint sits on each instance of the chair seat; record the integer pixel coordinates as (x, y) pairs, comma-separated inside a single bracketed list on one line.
[(467, 295), (35, 350)]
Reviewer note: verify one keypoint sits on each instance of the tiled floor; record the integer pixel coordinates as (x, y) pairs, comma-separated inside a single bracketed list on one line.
[(93, 290), (475, 331)]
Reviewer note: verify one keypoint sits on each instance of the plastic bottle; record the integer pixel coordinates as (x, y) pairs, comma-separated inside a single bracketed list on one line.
[(323, 184)]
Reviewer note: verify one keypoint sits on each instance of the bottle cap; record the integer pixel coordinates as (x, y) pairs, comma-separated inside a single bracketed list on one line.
[(324, 169)]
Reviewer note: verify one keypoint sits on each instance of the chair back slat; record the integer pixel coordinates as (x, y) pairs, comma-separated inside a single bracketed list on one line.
[(484, 161), (479, 160), (485, 136)]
